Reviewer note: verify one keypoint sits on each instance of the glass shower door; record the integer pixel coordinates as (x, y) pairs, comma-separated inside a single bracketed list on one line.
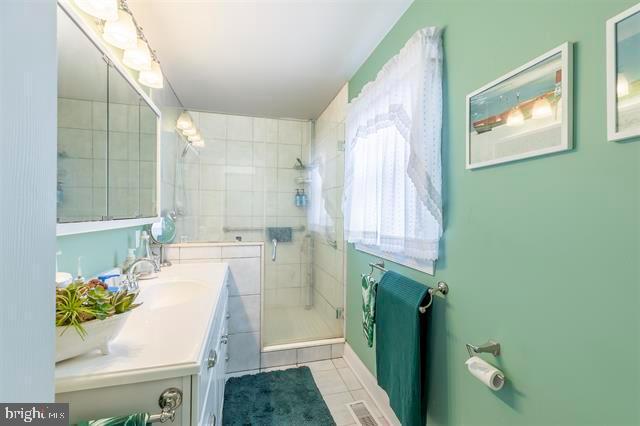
[(304, 290)]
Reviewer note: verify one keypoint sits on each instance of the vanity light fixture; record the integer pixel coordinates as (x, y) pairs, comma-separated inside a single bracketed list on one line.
[(195, 138), (541, 108), (191, 131), (152, 77), (107, 10), (184, 121), (121, 33), (138, 58)]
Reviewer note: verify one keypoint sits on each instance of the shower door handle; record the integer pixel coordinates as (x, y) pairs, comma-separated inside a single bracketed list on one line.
[(275, 249)]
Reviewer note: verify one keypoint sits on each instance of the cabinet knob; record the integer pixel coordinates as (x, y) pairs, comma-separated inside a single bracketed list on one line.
[(213, 359), (228, 315)]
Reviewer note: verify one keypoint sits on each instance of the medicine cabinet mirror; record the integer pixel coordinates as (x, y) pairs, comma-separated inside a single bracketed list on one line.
[(107, 139)]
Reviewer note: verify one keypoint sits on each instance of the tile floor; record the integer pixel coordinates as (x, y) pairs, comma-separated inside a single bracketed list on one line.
[(338, 386)]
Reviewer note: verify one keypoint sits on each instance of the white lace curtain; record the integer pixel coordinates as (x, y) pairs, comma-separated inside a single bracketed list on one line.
[(392, 197)]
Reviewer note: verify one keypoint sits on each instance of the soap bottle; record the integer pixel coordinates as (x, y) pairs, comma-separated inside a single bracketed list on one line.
[(131, 257), (298, 199), (303, 199)]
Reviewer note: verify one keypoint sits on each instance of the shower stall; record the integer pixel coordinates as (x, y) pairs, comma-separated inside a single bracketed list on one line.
[(277, 182)]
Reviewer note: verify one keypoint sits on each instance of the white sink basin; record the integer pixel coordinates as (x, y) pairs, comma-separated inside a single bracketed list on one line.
[(171, 293), (163, 338)]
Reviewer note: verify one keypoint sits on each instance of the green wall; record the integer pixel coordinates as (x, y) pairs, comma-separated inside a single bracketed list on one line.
[(100, 251), (542, 255)]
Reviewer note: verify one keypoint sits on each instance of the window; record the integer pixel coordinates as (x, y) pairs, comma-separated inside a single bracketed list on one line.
[(392, 199)]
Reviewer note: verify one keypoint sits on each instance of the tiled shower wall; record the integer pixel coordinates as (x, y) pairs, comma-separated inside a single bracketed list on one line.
[(327, 154), (241, 181)]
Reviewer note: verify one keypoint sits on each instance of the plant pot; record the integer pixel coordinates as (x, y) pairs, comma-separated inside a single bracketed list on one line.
[(99, 333)]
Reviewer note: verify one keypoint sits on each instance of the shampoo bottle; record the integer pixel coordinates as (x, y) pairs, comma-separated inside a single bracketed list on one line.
[(303, 199)]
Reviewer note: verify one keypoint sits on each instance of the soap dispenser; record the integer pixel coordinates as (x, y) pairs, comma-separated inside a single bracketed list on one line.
[(297, 198), (131, 257), (303, 199)]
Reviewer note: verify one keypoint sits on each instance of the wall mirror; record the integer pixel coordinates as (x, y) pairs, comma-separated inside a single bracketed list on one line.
[(107, 139)]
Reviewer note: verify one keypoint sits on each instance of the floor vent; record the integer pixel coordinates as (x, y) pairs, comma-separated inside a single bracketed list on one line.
[(361, 413)]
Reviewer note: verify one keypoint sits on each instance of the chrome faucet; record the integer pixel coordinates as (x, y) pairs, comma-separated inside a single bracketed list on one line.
[(132, 277)]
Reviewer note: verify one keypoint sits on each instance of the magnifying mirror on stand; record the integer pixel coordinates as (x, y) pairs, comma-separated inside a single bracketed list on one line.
[(164, 232)]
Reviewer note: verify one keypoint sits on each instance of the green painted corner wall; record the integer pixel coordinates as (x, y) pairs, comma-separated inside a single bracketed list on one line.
[(100, 251), (542, 255)]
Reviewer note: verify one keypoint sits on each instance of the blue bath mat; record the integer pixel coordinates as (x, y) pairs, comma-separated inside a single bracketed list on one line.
[(283, 398)]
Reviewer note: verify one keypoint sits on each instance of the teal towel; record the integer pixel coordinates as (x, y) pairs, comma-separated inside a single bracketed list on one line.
[(369, 288), (138, 419), (401, 339)]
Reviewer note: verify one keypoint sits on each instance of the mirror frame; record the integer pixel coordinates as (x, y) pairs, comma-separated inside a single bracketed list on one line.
[(94, 226)]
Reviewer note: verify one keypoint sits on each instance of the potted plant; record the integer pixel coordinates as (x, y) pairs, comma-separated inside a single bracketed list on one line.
[(95, 314)]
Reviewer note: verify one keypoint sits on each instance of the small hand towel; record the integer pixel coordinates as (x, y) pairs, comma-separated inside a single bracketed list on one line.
[(369, 289), (137, 419)]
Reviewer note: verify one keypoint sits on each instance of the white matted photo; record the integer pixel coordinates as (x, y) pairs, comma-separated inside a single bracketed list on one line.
[(623, 75), (525, 113)]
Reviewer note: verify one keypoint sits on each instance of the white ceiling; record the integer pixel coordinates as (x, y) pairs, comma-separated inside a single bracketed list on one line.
[(270, 58)]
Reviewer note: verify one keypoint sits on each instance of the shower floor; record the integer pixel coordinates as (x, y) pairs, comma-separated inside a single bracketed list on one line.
[(294, 324)]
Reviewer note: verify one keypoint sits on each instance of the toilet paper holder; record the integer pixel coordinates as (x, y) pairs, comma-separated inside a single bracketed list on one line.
[(490, 347)]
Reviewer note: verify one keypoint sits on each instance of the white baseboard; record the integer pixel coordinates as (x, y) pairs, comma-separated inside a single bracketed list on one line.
[(370, 384)]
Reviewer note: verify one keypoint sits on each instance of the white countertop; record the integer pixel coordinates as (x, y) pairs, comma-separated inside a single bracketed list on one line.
[(163, 338)]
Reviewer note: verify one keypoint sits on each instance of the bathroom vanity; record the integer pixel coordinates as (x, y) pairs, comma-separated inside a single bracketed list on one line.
[(176, 339)]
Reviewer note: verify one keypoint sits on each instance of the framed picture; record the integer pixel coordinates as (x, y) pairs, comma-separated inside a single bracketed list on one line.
[(623, 75), (525, 113)]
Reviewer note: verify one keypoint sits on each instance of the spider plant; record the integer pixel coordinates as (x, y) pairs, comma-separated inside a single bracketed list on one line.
[(71, 309)]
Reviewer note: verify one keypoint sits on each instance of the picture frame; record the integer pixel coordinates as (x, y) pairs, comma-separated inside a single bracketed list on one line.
[(623, 75), (525, 113)]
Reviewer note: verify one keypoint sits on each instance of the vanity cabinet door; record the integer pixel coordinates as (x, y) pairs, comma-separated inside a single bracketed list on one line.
[(209, 382), (220, 373)]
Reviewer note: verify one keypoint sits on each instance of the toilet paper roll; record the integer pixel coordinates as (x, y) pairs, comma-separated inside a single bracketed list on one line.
[(486, 373)]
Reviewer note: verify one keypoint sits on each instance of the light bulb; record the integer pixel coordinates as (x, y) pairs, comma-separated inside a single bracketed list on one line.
[(515, 118), (138, 58), (191, 131), (541, 108), (121, 33), (195, 138), (623, 86), (152, 77), (184, 121), (102, 9)]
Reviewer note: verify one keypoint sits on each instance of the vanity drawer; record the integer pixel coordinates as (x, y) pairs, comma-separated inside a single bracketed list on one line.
[(204, 382)]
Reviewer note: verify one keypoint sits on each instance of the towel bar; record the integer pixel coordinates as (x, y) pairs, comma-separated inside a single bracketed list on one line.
[(442, 288)]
